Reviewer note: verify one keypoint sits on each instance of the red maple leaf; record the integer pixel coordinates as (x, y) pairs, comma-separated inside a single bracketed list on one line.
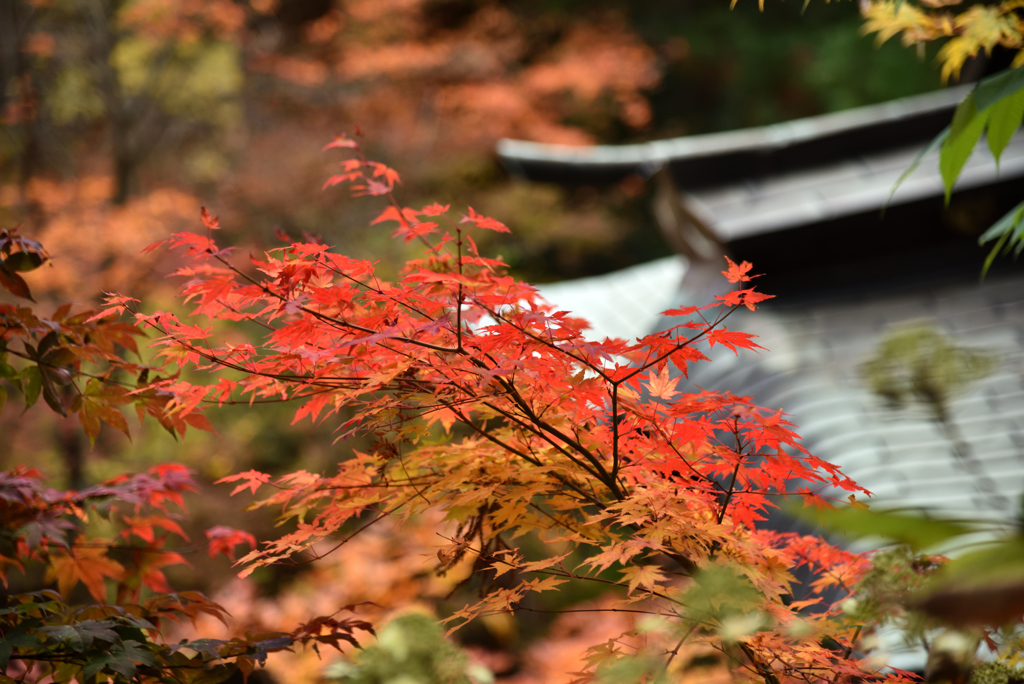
[(738, 273)]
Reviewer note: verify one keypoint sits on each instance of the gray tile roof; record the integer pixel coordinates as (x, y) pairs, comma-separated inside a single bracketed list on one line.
[(813, 371), (852, 186)]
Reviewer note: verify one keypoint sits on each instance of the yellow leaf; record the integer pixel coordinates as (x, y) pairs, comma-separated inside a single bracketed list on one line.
[(501, 567), (662, 385), (545, 584), (646, 576), (543, 564)]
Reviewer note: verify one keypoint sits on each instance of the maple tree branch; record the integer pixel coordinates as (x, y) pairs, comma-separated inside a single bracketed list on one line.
[(315, 555), (601, 474), (284, 377), (762, 669), (696, 473), (740, 446), (558, 522), (324, 318), (547, 343), (678, 346), (615, 431), (849, 649), (685, 563), (458, 300), (401, 462), (528, 426), (587, 610), (566, 574), (675, 651)]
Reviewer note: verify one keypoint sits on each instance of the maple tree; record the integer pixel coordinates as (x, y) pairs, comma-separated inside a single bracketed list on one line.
[(489, 405)]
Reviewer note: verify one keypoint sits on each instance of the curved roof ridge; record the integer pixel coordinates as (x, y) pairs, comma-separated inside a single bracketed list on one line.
[(762, 138)]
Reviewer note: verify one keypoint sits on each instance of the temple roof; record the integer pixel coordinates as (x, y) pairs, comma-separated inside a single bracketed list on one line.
[(823, 187)]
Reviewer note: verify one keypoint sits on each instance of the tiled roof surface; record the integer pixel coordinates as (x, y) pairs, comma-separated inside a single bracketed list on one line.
[(814, 371), (852, 186), (626, 303)]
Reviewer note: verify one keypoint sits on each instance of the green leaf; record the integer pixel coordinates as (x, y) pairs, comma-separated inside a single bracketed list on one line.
[(998, 87), (932, 146), (993, 254), (3, 399), (97, 629), (964, 132), (67, 635), (124, 657), (23, 261), (31, 608), (33, 386), (94, 666), (19, 636), (1002, 230), (983, 587), (1003, 225), (209, 649), (997, 562), (915, 530), (1003, 122)]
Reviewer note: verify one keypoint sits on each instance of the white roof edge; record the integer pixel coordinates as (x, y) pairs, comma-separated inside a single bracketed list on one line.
[(776, 136)]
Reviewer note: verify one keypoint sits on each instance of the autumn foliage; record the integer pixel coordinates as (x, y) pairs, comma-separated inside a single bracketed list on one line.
[(555, 461), (115, 635), (483, 403)]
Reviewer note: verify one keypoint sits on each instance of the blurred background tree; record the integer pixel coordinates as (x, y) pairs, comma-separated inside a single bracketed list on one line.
[(230, 101)]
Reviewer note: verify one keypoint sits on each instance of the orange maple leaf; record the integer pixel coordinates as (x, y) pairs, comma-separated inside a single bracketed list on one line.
[(211, 222), (391, 213), (485, 222), (445, 416), (662, 385), (89, 566)]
